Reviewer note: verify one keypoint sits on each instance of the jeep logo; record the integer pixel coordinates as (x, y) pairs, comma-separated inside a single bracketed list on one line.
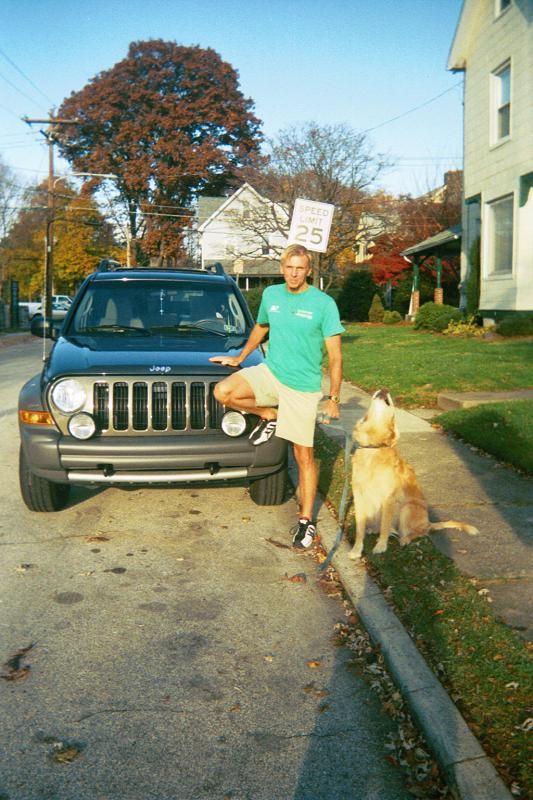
[(160, 368)]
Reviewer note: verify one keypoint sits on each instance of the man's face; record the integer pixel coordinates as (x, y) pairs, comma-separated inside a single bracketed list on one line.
[(295, 272)]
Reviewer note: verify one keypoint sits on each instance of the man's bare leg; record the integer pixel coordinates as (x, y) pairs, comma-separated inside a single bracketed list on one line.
[(235, 392), (307, 479)]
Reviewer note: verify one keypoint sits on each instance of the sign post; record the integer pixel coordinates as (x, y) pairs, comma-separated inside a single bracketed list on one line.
[(310, 224)]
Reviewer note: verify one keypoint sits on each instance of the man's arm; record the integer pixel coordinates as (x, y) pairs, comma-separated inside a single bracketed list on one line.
[(258, 333), (334, 351)]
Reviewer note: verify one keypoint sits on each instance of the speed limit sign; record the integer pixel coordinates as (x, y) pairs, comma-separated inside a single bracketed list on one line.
[(310, 224)]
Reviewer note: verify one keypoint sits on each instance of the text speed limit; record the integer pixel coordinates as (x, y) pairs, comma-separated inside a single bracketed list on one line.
[(310, 224)]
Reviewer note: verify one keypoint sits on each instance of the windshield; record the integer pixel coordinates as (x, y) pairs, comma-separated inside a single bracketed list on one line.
[(152, 307)]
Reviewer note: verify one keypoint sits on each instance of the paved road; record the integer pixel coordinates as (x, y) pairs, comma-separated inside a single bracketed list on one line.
[(170, 656)]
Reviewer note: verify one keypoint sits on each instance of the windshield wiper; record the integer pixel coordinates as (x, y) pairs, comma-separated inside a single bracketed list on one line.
[(190, 326), (115, 329)]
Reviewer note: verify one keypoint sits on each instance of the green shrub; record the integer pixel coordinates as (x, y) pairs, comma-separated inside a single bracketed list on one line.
[(472, 286), (392, 317), (376, 310), (465, 327), (516, 326), (401, 294), (356, 295), (253, 298), (436, 317)]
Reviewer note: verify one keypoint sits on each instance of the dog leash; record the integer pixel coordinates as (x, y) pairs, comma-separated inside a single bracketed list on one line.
[(343, 507)]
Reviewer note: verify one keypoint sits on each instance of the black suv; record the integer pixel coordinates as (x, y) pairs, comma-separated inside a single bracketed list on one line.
[(126, 395)]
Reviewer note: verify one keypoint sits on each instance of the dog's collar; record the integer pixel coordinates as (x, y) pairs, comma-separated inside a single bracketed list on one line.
[(370, 446)]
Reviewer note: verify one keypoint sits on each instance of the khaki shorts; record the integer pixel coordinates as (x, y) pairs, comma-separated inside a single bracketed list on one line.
[(296, 410)]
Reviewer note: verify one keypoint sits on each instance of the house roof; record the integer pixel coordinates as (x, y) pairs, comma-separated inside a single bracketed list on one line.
[(207, 207), (226, 201), (467, 28), (445, 242)]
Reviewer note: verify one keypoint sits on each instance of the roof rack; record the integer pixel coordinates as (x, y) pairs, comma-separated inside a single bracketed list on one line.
[(216, 267), (108, 265)]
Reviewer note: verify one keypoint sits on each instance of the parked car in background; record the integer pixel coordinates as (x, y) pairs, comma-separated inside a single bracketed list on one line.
[(60, 309), (60, 305)]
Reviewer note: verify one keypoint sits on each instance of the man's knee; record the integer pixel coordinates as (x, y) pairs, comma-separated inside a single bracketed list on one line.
[(222, 393)]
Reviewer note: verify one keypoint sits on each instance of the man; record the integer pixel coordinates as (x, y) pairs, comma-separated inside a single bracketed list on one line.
[(285, 390)]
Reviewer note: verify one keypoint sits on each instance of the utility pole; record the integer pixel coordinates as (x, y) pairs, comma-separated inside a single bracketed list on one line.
[(49, 252)]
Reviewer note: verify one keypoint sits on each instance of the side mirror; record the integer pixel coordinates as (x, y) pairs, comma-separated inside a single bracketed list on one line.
[(43, 328)]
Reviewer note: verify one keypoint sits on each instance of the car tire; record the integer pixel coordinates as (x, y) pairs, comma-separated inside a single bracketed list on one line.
[(270, 490), (38, 493)]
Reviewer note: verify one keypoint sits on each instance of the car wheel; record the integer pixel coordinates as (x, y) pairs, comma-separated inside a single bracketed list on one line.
[(40, 494), (270, 490)]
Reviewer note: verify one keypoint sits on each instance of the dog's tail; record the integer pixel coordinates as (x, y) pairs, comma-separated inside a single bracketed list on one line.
[(451, 523)]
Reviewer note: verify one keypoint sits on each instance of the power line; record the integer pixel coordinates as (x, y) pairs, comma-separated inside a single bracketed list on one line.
[(7, 58), (411, 110), (16, 88)]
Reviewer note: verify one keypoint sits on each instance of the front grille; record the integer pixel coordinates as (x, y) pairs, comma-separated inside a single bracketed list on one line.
[(155, 406)]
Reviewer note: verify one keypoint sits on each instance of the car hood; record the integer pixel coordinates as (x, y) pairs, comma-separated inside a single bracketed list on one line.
[(127, 355)]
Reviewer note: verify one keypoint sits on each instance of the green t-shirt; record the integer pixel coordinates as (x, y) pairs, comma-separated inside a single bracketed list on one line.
[(299, 323)]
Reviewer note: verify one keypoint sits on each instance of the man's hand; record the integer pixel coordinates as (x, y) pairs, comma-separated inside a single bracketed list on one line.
[(226, 361), (330, 410)]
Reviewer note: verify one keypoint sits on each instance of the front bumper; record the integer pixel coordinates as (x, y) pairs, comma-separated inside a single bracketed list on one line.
[(148, 459)]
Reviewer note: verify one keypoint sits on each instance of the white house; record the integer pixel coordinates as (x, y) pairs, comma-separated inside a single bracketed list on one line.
[(493, 46), (245, 232)]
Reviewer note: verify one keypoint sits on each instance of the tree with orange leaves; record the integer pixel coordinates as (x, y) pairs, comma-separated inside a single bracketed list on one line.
[(171, 123)]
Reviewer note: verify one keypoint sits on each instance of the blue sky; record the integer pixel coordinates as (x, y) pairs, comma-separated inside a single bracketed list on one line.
[(341, 61)]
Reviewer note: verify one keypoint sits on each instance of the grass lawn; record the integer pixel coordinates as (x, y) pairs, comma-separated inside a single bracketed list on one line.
[(484, 665), (416, 365), (505, 430)]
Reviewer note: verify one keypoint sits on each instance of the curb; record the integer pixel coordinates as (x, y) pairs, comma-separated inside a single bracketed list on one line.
[(464, 764)]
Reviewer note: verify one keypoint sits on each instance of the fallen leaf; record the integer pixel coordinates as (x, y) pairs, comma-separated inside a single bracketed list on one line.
[(97, 537), (278, 544), (66, 754), (23, 567), (300, 577), (236, 707), (313, 664), (314, 692), (15, 670), (268, 658)]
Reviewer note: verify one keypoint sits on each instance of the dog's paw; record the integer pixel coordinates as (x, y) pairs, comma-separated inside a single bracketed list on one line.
[(380, 547), (354, 554)]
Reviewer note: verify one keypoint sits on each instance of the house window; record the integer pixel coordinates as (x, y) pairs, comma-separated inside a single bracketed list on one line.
[(500, 227), (501, 103)]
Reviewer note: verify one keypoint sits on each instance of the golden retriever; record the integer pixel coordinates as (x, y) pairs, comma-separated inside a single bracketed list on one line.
[(385, 490)]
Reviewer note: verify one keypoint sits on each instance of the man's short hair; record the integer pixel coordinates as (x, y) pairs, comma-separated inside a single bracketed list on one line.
[(295, 250)]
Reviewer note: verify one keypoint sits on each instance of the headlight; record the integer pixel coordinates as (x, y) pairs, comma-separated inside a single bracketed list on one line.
[(68, 396), (81, 426), (233, 423)]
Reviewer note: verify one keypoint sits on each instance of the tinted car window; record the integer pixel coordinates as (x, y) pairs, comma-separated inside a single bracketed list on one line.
[(159, 308)]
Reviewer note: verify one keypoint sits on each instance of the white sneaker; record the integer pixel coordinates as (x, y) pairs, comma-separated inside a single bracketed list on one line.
[(263, 431)]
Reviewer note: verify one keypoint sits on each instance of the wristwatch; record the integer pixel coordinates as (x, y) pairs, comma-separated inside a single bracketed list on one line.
[(334, 397)]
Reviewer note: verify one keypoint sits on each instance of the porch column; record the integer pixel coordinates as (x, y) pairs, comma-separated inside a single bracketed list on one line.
[(438, 295), (415, 293)]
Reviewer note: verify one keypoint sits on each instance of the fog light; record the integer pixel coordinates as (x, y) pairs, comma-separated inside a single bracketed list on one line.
[(233, 423), (81, 426)]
